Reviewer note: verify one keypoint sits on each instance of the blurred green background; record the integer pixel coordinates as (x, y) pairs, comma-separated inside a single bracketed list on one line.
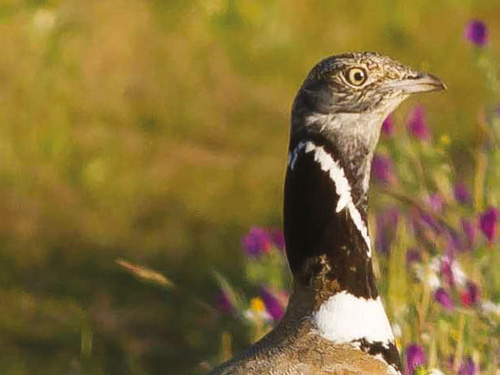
[(156, 131)]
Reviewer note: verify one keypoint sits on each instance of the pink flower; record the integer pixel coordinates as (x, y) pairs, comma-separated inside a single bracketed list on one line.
[(436, 201), (443, 298), (386, 225), (278, 239), (223, 302), (256, 242), (488, 223), (273, 305), (412, 256), (468, 367), (383, 169), (415, 357), (447, 272), (470, 230), (416, 124), (470, 296), (462, 193), (388, 126), (476, 32)]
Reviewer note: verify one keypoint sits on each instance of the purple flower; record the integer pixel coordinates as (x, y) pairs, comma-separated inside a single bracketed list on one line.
[(429, 220), (386, 225), (470, 296), (468, 367), (223, 302), (424, 226), (388, 126), (470, 230), (462, 193), (447, 272), (416, 124), (273, 305), (278, 239), (256, 242), (476, 32), (454, 243), (443, 298), (415, 357), (382, 168), (488, 223), (436, 201), (412, 256)]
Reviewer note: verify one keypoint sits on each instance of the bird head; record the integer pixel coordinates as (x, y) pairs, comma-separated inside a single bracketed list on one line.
[(363, 82), (345, 98)]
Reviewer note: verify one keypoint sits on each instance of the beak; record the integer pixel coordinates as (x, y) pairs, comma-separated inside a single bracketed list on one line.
[(420, 82)]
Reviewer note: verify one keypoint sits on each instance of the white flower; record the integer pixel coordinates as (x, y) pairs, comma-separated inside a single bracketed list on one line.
[(427, 274), (257, 315), (430, 273), (458, 273), (490, 307), (435, 371)]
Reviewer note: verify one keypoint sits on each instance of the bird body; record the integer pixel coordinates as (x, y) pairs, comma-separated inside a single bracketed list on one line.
[(335, 323), (295, 346)]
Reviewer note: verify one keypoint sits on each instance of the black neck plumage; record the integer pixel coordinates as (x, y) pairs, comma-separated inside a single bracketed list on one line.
[(325, 217)]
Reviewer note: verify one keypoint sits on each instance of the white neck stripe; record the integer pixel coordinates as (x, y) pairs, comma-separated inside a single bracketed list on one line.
[(342, 186)]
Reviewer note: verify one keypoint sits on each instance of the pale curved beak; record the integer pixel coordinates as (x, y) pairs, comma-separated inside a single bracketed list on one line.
[(420, 82)]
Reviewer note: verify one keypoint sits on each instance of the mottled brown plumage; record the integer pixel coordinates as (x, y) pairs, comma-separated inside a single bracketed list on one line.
[(295, 348)]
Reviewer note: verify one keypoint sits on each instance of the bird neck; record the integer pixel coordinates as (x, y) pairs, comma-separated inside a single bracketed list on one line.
[(327, 241), (325, 216)]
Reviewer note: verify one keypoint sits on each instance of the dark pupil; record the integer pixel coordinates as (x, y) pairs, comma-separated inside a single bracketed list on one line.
[(358, 76)]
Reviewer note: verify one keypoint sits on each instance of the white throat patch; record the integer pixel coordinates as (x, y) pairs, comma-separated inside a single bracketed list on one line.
[(342, 186), (344, 318)]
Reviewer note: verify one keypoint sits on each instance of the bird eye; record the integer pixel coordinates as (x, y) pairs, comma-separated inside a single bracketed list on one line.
[(356, 76)]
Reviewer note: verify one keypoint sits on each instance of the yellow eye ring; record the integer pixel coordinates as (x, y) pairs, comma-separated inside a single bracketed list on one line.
[(356, 76)]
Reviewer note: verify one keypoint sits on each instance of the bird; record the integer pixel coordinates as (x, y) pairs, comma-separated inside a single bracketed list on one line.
[(335, 322)]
